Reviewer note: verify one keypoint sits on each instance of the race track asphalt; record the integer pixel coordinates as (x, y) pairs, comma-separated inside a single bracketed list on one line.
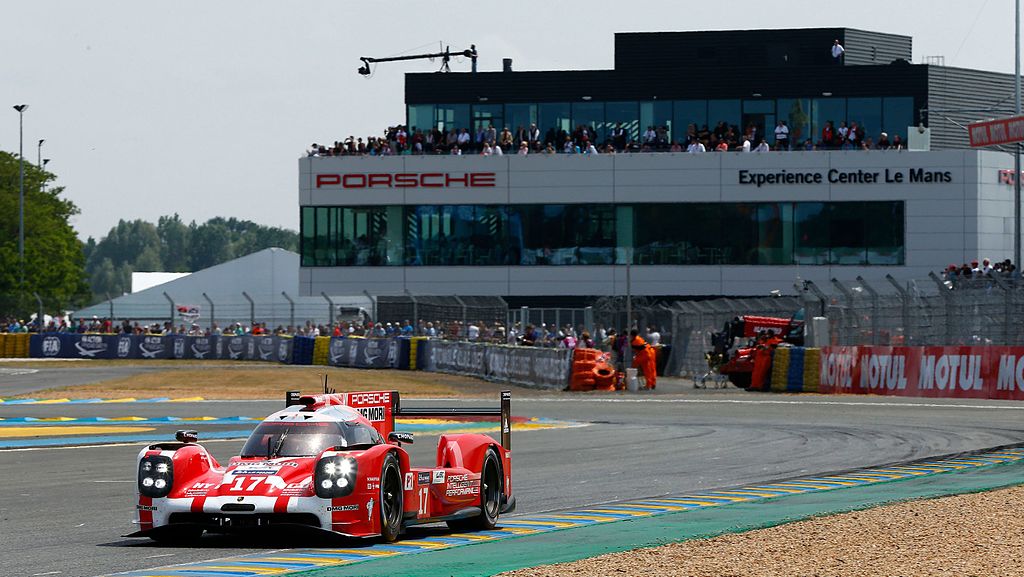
[(63, 511)]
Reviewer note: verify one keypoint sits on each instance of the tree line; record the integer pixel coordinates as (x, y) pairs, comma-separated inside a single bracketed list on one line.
[(173, 246), (68, 274)]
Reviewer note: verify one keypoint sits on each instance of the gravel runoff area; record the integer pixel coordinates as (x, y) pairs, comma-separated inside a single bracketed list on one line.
[(979, 534)]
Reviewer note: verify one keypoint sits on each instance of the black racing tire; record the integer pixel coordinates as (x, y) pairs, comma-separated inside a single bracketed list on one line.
[(490, 497), (741, 380), (178, 536), (391, 499)]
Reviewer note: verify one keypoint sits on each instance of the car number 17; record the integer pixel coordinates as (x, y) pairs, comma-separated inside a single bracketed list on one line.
[(424, 501)]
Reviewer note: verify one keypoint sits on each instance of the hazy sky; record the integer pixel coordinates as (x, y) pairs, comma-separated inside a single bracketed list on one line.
[(202, 108)]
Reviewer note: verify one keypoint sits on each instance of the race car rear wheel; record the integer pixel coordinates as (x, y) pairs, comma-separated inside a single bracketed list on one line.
[(390, 498), (490, 497)]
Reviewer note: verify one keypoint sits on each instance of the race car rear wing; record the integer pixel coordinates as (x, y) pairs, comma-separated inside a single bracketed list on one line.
[(382, 407)]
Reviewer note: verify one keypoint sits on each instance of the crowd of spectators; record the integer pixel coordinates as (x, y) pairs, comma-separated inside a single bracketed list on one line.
[(986, 269), (547, 335), (490, 141)]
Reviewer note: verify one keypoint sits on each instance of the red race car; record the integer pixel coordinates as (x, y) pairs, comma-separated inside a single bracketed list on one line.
[(328, 463)]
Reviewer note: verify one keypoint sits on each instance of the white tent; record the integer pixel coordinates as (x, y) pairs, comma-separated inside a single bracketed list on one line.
[(269, 277)]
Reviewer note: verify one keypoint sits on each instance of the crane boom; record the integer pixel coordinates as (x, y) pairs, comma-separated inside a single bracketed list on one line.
[(444, 56)]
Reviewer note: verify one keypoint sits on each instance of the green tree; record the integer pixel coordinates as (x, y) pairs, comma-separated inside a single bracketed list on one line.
[(54, 258), (174, 244)]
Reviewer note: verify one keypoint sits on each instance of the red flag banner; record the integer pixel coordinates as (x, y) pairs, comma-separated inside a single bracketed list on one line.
[(998, 131)]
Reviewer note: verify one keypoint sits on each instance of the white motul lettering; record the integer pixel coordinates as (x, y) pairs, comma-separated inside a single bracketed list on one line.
[(1008, 368), (954, 364), (926, 378), (970, 372), (942, 372)]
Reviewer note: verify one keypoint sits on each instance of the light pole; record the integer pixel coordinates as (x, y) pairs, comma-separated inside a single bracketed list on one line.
[(1016, 145), (21, 196), (39, 152), (45, 162)]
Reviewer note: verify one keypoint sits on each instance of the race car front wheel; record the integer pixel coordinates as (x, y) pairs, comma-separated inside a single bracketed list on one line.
[(390, 499), (490, 497)]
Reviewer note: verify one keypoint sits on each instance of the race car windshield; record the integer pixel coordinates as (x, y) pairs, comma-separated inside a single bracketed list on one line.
[(308, 439)]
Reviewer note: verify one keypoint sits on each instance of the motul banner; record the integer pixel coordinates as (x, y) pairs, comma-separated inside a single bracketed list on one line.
[(987, 372), (998, 131)]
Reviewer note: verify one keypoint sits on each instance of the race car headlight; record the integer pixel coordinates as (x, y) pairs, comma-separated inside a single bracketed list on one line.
[(156, 476), (335, 477)]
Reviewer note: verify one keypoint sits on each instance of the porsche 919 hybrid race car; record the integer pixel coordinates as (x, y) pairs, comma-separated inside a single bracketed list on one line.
[(329, 463)]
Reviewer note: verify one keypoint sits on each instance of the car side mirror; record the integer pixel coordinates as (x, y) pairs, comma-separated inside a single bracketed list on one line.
[(399, 437), (187, 436)]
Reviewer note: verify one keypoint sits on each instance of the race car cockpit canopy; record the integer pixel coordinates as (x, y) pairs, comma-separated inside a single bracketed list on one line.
[(308, 438)]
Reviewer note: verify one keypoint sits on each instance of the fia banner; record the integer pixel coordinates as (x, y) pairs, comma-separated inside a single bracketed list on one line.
[(982, 372)]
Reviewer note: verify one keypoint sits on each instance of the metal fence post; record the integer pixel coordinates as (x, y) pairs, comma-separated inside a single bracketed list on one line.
[(252, 310), (588, 321), (849, 310), (110, 302), (39, 318), (946, 299), (1007, 307), (291, 310), (373, 309), (908, 334), (170, 300), (463, 331), (874, 308), (415, 309), (213, 312), (330, 309), (809, 285)]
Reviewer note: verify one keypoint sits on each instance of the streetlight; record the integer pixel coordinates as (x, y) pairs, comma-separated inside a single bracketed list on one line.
[(45, 162), (21, 195), (39, 152)]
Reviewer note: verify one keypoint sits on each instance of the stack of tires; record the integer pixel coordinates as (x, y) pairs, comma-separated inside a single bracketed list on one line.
[(591, 371), (583, 363), (321, 350)]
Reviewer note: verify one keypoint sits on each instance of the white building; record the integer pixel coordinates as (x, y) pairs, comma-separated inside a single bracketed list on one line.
[(687, 224)]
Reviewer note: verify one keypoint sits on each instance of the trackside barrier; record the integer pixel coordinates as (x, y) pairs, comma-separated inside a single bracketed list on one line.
[(967, 372), (540, 367), (529, 366), (96, 346), (14, 345), (795, 370)]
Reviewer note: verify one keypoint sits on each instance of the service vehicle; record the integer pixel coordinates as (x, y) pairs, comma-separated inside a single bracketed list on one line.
[(741, 334), (330, 463)]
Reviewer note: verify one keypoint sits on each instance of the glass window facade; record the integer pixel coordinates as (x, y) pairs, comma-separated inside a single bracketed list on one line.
[(806, 117), (763, 233)]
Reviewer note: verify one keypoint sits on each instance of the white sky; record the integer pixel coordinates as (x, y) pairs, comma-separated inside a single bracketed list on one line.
[(202, 108)]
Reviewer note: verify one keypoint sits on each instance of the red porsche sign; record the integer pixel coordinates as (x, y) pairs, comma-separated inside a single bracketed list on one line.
[(407, 180)]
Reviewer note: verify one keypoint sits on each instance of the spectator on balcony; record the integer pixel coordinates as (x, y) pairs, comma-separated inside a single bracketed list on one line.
[(650, 137), (464, 139), (837, 52), (591, 149), (676, 147), (524, 148), (828, 134), (897, 143), (495, 149), (763, 146), (569, 147), (883, 142), (696, 147), (520, 135), (781, 135), (619, 136), (533, 136), (505, 140), (723, 146)]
